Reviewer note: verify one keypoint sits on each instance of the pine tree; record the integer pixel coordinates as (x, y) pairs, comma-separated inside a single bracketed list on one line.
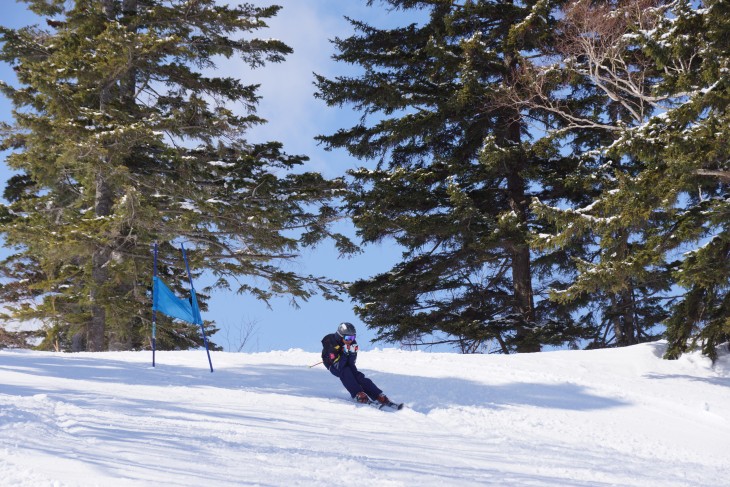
[(693, 151), (124, 135), (661, 169), (455, 174)]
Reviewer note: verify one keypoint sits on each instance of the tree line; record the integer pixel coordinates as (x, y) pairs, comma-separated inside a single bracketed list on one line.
[(555, 171)]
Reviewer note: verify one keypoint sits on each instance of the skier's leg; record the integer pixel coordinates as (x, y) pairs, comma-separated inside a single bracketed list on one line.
[(347, 378), (367, 385)]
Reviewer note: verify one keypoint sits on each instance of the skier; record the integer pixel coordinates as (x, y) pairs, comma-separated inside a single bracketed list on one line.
[(339, 353)]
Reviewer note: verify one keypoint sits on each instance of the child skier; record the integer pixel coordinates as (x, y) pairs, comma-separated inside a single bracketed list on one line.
[(339, 353)]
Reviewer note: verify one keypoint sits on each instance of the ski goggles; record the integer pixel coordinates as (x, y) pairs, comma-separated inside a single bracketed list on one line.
[(348, 338)]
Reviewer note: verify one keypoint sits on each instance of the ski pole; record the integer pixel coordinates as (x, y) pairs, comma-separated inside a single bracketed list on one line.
[(314, 365)]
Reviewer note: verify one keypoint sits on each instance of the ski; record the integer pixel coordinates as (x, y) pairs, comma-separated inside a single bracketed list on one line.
[(393, 405), (389, 406)]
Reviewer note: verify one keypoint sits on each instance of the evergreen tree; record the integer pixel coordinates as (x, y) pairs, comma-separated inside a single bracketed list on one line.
[(455, 174), (662, 173), (124, 135)]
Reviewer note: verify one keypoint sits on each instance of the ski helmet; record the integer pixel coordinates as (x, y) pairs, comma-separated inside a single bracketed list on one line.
[(345, 329)]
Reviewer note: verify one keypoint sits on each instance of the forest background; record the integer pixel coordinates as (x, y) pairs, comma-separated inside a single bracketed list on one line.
[(294, 117), (557, 173)]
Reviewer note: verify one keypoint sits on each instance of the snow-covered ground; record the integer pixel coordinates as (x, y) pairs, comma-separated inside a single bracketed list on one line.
[(621, 417)]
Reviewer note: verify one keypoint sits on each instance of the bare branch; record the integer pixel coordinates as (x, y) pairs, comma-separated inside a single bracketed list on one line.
[(723, 175), (597, 42)]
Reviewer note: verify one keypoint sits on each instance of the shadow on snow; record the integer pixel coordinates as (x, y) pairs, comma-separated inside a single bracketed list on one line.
[(421, 394)]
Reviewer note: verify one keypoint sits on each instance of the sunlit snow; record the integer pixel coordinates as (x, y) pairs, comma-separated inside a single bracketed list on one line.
[(619, 417)]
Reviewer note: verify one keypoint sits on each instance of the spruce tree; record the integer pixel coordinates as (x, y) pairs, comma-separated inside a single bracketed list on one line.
[(125, 135), (661, 170), (456, 169), (698, 159)]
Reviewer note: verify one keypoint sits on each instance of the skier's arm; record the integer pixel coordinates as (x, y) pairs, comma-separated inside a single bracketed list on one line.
[(331, 353), (351, 350)]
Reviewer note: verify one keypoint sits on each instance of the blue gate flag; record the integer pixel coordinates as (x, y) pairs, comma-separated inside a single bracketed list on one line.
[(165, 301), (196, 309)]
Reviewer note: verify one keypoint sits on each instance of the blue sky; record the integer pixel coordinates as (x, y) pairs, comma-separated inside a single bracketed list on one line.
[(295, 117)]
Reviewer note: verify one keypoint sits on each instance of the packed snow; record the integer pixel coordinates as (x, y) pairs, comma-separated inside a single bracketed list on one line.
[(619, 417)]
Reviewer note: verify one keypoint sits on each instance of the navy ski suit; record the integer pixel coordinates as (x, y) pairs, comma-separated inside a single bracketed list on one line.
[(339, 359)]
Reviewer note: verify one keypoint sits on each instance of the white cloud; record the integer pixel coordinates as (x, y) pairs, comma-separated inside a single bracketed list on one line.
[(295, 117)]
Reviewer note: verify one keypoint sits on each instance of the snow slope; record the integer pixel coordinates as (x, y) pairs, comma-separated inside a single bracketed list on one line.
[(621, 417)]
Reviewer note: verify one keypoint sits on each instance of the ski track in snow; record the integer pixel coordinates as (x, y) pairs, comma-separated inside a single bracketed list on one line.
[(620, 417)]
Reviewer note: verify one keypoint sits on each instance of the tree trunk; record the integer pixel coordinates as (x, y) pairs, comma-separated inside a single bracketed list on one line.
[(626, 324), (626, 333), (102, 208), (521, 272), (521, 268), (128, 84), (99, 274)]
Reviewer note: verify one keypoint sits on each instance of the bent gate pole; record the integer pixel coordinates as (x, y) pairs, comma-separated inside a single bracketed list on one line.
[(194, 303), (154, 312)]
